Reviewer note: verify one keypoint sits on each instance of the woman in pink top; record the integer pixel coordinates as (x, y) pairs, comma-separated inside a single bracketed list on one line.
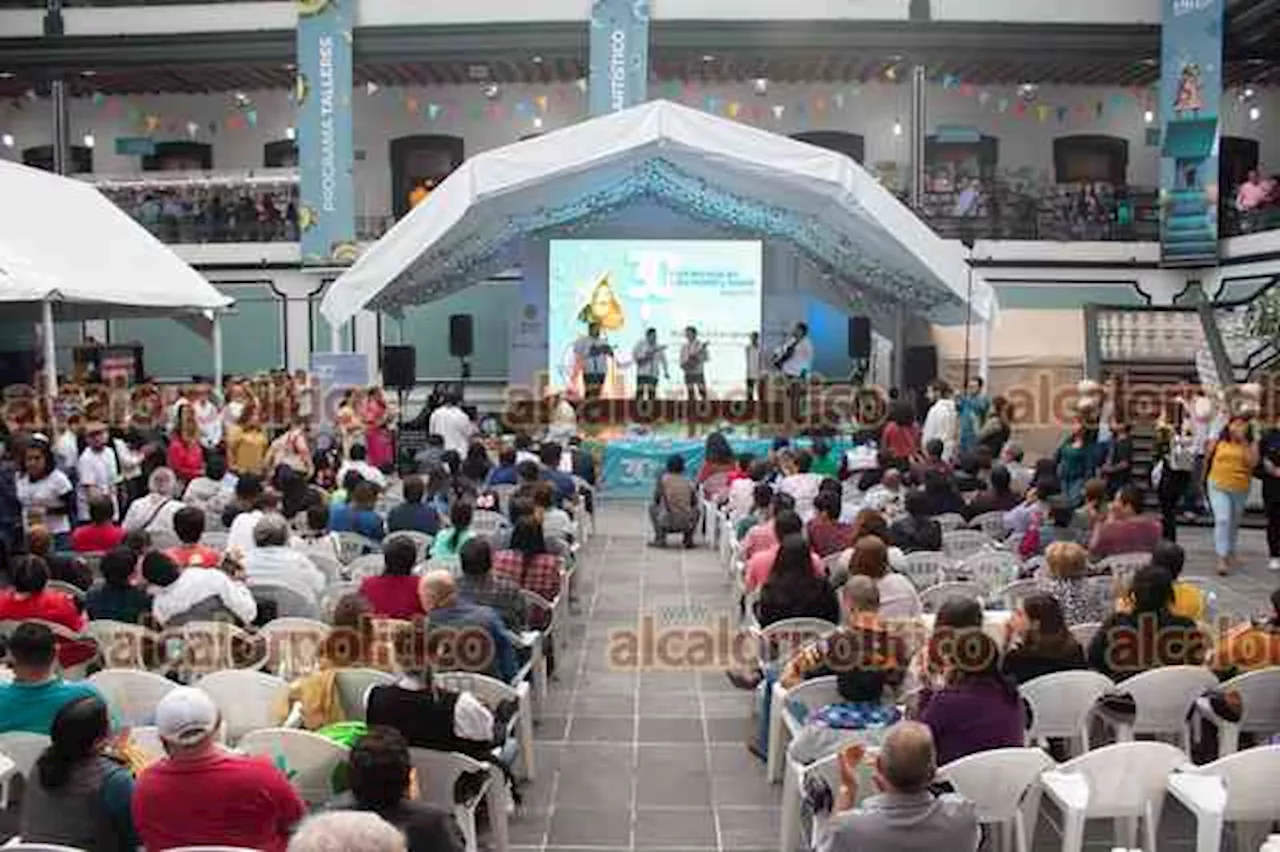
[(787, 523)]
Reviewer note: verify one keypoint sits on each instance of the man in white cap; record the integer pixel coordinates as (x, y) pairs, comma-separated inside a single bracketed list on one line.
[(203, 794)]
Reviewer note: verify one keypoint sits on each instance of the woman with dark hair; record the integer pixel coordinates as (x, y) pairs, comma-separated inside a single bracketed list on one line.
[(941, 494), (46, 494), (719, 457), (185, 455), (792, 590), (978, 708), (476, 465), (1039, 642), (826, 533), (450, 540), (527, 561), (118, 599), (29, 599), (901, 435), (898, 598), (77, 796), (1122, 647)]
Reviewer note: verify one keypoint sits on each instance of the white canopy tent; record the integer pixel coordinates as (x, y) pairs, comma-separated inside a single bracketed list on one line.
[(67, 252)]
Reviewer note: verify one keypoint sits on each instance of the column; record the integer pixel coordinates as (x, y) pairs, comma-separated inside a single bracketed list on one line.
[(58, 96), (984, 352), (217, 349), (899, 345), (50, 350), (916, 130)]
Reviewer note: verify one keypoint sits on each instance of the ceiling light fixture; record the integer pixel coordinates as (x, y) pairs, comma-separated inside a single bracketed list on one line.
[(7, 139), (290, 134), (707, 57), (88, 140), (760, 86), (1254, 113), (537, 122), (1148, 117), (897, 128), (88, 72), (537, 60), (7, 75)]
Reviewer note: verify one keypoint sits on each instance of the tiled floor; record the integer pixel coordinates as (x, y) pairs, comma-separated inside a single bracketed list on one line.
[(632, 757)]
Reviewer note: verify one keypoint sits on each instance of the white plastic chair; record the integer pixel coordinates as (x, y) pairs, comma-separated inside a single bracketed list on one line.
[(493, 692), (326, 563), (120, 644), (1238, 788), (210, 646), (1259, 693), (1084, 632), (146, 739), (926, 568), (247, 700), (293, 645), (783, 638), (420, 540), (1061, 704), (22, 749), (438, 771), (488, 524), (16, 845), (813, 693), (962, 543), (836, 566), (1123, 565), (935, 596), (308, 760), (950, 521), (216, 539), (1163, 699), (334, 593), (369, 565), (131, 694), (1015, 592), (1125, 782), (991, 524), (354, 684), (997, 781), (74, 592), (292, 601), (992, 570), (353, 545)]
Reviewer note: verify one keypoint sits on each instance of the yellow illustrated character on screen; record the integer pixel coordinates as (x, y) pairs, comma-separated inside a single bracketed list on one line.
[(604, 307)]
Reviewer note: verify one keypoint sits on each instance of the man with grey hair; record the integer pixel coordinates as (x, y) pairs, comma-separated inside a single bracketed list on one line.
[(471, 632), (905, 816), (154, 513), (272, 560), (1020, 475), (347, 831)]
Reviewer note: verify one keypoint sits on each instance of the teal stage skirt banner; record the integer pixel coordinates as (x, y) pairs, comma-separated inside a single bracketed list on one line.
[(1190, 96), (326, 210), (619, 55)]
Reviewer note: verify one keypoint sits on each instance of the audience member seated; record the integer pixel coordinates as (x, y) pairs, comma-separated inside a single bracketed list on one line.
[(29, 598), (349, 831), (430, 716), (117, 598), (1189, 600), (801, 484), (968, 475), (413, 514), (760, 564), (479, 584), (198, 769), (998, 498), (1083, 601), (941, 494), (213, 491), (1250, 645), (898, 598), (1058, 525), (916, 530), (505, 472), (1033, 509), (793, 589), (446, 611), (827, 535), (905, 815), (759, 513), (1020, 475), (102, 532), (394, 594), (272, 560), (449, 542), (380, 775), (675, 507), (1038, 641), (341, 495), (62, 567), (1126, 529), (557, 525), (888, 495), (359, 513), (245, 498), (978, 707), (933, 461), (1122, 647), (154, 512), (357, 462), (565, 488), (77, 796), (36, 694), (1094, 509), (528, 561), (866, 659), (318, 539), (870, 522), (188, 526), (197, 594)]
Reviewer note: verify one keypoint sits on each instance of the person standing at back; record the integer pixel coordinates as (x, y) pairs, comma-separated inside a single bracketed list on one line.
[(202, 794), (1230, 461), (452, 424), (414, 515)]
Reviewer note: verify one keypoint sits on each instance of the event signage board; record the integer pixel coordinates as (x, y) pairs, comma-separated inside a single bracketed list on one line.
[(619, 55), (135, 146), (335, 372), (326, 212), (1190, 97)]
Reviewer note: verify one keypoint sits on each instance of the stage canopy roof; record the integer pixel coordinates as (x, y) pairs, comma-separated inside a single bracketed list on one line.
[(750, 182), (63, 242)]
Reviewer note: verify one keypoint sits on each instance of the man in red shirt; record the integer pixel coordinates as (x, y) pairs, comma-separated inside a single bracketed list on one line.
[(202, 794), (101, 533)]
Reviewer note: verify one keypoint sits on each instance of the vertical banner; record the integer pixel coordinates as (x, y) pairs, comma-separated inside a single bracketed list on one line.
[(1190, 95), (619, 54), (326, 212)]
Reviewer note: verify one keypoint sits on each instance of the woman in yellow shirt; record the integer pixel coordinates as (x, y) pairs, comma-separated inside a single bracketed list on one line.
[(247, 444), (1229, 473)]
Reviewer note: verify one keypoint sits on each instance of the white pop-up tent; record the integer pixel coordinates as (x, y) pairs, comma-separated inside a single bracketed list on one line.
[(750, 181), (67, 252)]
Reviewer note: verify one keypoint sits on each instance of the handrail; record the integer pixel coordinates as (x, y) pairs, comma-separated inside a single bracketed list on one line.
[(1213, 340)]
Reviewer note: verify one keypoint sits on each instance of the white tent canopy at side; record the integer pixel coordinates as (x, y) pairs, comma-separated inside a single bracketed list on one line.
[(68, 253), (755, 183)]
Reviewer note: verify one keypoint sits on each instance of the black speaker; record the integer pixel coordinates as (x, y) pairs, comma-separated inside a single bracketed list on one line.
[(461, 335), (920, 367), (399, 367), (859, 337)]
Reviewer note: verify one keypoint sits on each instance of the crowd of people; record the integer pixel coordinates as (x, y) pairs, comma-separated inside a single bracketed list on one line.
[(213, 213)]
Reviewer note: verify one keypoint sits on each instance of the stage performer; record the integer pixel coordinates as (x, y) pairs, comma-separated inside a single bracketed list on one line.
[(649, 357), (693, 360), (794, 359), (377, 417), (592, 355), (753, 367)]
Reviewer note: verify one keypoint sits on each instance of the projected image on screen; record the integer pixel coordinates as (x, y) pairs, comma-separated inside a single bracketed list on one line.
[(625, 287)]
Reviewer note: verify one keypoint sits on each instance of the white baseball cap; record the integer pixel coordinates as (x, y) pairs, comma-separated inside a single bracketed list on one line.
[(186, 715)]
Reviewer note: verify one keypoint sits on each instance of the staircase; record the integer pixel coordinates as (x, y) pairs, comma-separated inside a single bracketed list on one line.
[(1190, 233)]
